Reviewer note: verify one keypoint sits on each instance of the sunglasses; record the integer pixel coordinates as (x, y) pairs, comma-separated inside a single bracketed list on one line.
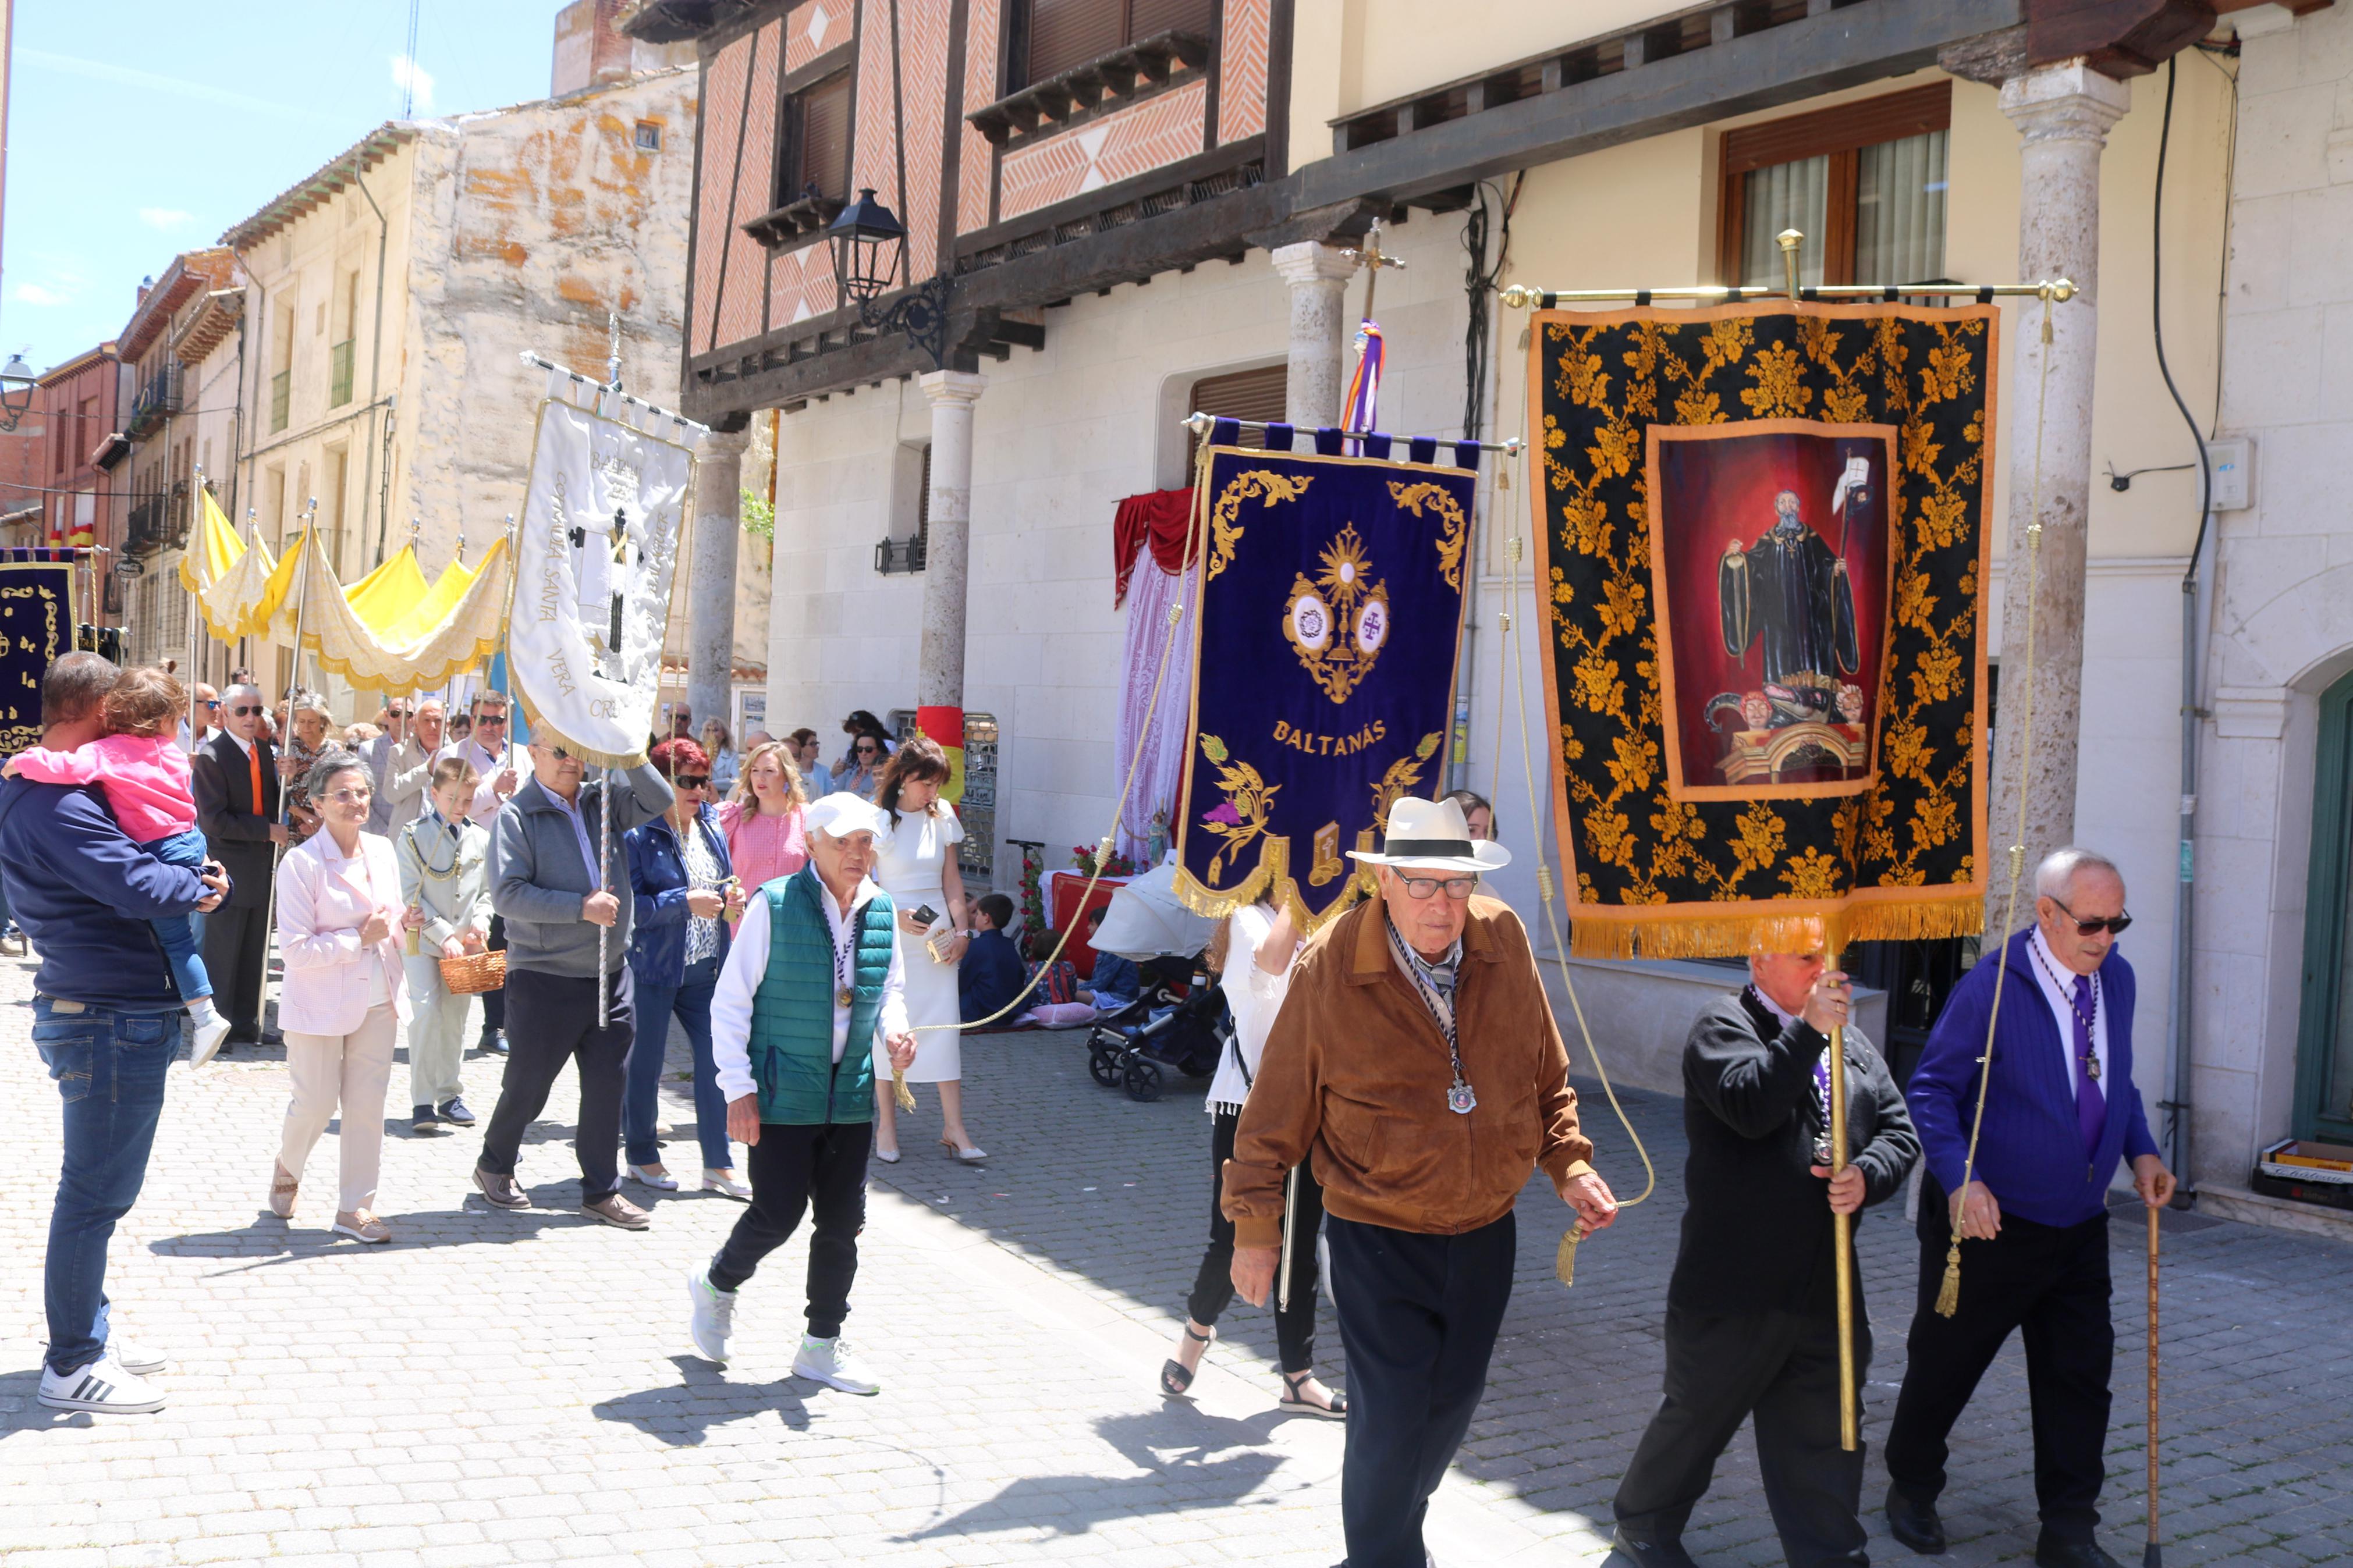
[(2093, 928), (212, 702), (688, 781), (491, 719), (865, 751), (243, 711)]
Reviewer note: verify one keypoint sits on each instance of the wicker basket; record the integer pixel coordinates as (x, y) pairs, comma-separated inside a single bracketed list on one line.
[(474, 974)]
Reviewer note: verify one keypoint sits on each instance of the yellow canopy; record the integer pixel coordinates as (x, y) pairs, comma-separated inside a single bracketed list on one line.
[(223, 574), (389, 632)]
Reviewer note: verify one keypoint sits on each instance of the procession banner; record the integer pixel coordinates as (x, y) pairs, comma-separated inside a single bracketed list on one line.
[(594, 556), (1331, 616), (1762, 535), (37, 624)]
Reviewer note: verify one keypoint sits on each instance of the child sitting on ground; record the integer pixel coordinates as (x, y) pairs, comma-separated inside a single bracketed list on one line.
[(143, 775)]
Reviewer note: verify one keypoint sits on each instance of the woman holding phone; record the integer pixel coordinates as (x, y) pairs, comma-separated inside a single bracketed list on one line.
[(918, 869)]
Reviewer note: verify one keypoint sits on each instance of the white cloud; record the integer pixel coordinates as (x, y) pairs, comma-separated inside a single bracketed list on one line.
[(163, 217), (33, 294), (409, 74)]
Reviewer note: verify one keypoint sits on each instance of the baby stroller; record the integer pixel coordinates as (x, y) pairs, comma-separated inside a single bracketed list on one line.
[(1179, 1021)]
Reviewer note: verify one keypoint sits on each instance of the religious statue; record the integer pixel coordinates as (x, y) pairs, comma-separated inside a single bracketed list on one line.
[(1789, 595)]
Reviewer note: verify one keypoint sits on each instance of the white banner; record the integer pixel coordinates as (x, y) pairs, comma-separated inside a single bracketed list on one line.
[(594, 557)]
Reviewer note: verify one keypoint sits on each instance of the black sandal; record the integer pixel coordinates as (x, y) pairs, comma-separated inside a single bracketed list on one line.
[(1176, 1377), (1334, 1411)]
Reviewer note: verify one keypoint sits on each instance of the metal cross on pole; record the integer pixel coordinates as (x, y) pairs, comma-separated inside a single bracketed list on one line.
[(1373, 259)]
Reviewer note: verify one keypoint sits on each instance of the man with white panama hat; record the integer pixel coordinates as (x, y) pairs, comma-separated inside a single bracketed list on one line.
[(1417, 1067), (812, 982)]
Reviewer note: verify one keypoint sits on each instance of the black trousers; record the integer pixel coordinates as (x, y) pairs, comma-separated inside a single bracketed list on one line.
[(495, 1003), (1213, 1284), (559, 1025), (1783, 1367), (1419, 1316), (2051, 1283), (237, 943), (794, 1169)]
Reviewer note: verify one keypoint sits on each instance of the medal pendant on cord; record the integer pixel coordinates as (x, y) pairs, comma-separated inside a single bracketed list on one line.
[(1459, 1099), (842, 997)]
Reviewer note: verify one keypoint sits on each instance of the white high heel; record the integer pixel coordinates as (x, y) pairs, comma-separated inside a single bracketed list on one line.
[(647, 1176)]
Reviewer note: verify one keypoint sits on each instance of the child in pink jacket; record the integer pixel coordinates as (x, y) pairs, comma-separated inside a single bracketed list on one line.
[(145, 776)]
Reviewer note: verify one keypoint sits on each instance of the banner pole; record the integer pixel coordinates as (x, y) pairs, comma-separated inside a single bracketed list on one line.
[(195, 621), (1841, 1225)]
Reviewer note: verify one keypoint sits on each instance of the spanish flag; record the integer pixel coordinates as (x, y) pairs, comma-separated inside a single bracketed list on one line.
[(945, 725)]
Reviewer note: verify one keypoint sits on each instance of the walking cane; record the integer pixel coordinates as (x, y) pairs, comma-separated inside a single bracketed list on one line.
[(2152, 1556), (1290, 1235)]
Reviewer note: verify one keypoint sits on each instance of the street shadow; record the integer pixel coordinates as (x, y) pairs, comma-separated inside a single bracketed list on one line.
[(21, 1411), (682, 1415), (472, 1221), (1191, 1459)]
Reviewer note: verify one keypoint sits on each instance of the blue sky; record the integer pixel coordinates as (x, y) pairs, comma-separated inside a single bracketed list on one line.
[(138, 129)]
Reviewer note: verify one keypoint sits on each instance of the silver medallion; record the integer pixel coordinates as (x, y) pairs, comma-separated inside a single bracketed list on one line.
[(1459, 1099)]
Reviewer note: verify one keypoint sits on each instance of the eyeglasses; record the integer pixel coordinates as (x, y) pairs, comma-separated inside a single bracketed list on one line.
[(245, 712), (212, 702), (1457, 887), (490, 718), (864, 750), (352, 794), (2093, 928), (688, 781)]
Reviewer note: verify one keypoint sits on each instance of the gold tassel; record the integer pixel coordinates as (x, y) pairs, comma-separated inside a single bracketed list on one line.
[(1564, 1262), (1948, 1294), (900, 1092)]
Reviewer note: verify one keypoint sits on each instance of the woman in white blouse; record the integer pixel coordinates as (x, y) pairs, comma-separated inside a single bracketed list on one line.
[(338, 914), (1252, 952)]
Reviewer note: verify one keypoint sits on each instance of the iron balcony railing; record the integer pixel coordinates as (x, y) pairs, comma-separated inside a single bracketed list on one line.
[(894, 555)]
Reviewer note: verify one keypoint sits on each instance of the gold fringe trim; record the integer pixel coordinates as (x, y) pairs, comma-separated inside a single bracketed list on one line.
[(1598, 935), (545, 734), (1273, 870)]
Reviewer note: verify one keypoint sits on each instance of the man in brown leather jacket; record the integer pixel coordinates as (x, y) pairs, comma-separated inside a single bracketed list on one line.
[(1416, 1068)]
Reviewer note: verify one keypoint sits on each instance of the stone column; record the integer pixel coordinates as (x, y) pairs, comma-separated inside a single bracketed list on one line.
[(711, 588), (939, 682), (2062, 114), (1318, 275)]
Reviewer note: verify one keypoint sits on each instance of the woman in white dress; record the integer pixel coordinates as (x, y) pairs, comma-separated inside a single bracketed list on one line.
[(918, 869)]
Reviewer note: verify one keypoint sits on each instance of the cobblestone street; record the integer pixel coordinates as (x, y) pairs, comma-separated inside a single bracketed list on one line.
[(504, 1388)]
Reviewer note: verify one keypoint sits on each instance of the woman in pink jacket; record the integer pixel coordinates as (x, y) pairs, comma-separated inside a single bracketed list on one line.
[(339, 914)]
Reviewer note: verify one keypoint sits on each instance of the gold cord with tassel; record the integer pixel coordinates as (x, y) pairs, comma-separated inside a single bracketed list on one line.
[(1948, 1292)]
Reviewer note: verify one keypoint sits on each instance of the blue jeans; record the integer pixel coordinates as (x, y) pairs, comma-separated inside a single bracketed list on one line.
[(109, 1067), (689, 1000), (182, 938)]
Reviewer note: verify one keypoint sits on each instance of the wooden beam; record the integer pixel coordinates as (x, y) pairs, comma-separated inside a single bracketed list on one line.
[(2117, 38), (1759, 71)]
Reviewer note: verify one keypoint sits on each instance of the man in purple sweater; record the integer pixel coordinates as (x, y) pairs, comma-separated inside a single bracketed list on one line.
[(2060, 1111)]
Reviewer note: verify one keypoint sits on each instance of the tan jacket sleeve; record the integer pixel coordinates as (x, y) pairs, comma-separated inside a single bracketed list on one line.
[(1284, 1111), (1562, 1150)]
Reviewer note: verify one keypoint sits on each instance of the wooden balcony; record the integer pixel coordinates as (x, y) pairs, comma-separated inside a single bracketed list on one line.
[(1125, 73), (795, 221)]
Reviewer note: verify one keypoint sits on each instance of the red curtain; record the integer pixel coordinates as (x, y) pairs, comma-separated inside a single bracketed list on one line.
[(1162, 518)]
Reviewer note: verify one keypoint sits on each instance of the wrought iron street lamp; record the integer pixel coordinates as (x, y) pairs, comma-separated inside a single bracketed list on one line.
[(16, 386), (869, 256)]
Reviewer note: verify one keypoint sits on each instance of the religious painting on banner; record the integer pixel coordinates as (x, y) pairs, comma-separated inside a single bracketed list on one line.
[(36, 626), (595, 552), (1330, 619), (1763, 532)]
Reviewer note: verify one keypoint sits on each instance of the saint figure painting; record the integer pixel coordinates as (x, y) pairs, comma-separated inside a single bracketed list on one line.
[(1769, 557)]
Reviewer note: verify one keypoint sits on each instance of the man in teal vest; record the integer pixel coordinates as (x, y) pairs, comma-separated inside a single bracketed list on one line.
[(811, 983)]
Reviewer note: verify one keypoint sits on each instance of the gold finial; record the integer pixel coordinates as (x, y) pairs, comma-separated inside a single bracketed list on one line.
[(1788, 239), (1520, 296)]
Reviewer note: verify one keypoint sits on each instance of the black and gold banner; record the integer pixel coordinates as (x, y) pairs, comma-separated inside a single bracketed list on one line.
[(36, 627), (1762, 535)]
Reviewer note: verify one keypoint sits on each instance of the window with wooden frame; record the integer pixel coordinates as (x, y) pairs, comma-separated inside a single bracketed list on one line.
[(1864, 181), (1050, 37), (816, 154), (1245, 395)]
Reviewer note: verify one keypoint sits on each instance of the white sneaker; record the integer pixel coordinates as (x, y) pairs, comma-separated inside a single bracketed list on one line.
[(714, 1316), (212, 1028), (104, 1386), (830, 1362), (137, 1360)]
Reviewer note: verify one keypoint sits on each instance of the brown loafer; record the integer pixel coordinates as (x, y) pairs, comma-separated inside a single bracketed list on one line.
[(282, 1188), (501, 1190), (619, 1211), (361, 1225)]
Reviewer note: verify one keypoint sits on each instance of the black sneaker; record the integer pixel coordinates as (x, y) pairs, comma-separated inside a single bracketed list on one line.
[(455, 1113), (422, 1119)]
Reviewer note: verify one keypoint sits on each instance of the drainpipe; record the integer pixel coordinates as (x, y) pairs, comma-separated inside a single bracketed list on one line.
[(376, 360), (2194, 611)]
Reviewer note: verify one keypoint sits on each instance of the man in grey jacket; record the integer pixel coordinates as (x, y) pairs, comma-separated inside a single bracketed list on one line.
[(545, 847)]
